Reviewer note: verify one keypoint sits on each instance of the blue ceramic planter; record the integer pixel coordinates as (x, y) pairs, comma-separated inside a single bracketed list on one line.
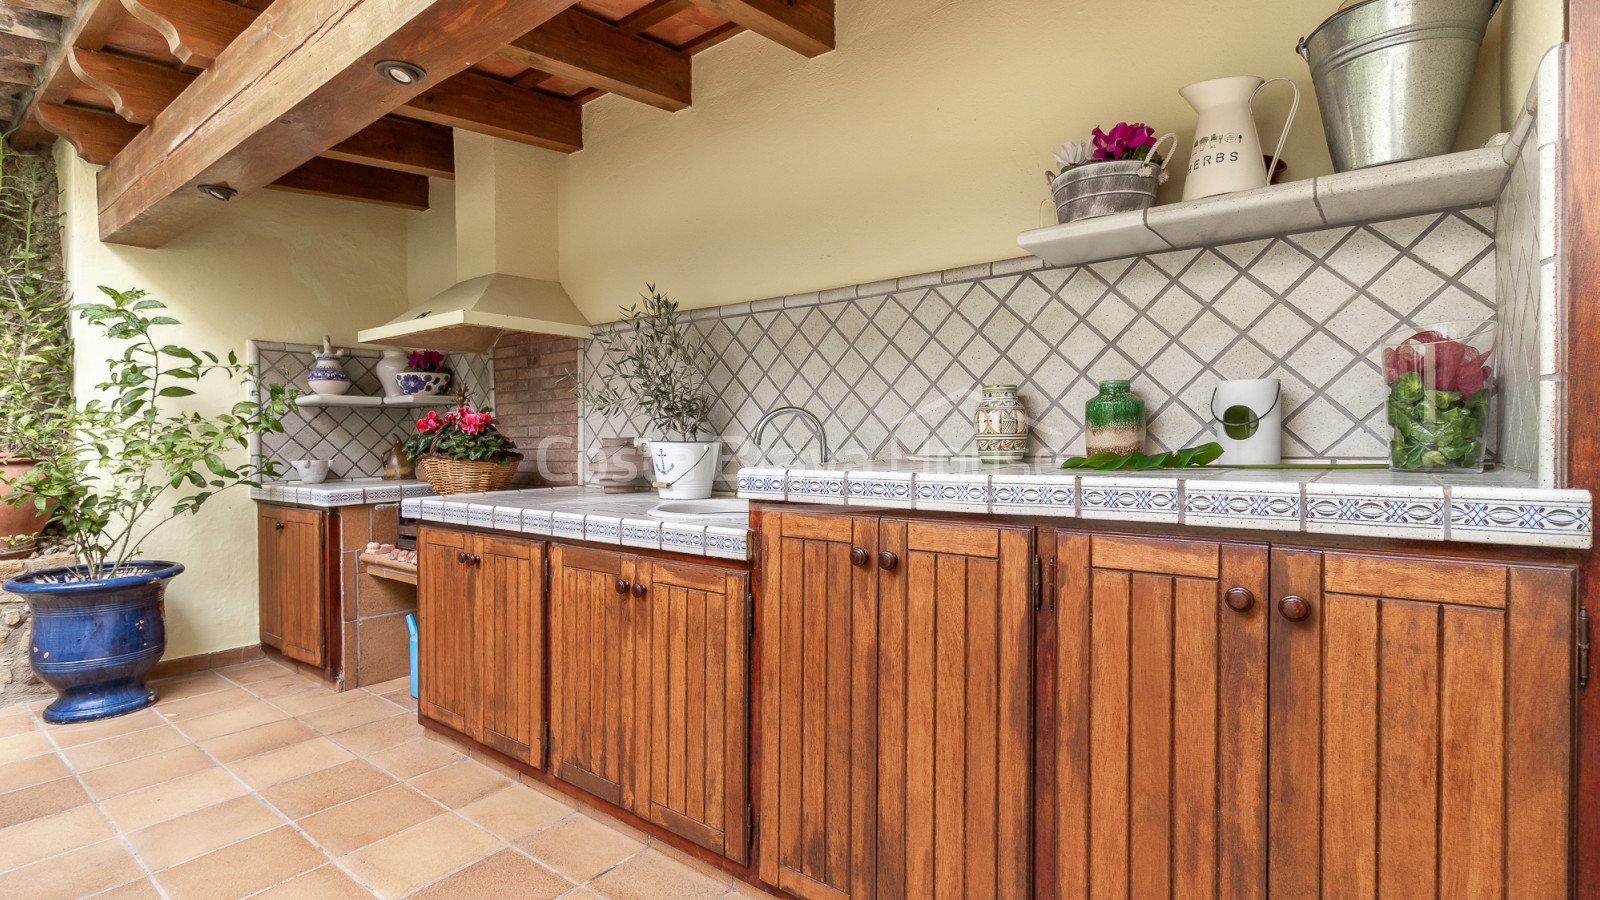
[(94, 641), (425, 383)]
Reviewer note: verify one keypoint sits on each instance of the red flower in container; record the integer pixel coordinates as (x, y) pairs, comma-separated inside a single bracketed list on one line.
[(430, 422), (475, 423)]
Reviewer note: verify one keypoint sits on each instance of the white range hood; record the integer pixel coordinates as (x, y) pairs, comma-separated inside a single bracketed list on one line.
[(468, 317)]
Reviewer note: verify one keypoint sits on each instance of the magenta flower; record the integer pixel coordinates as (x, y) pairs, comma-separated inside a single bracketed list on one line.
[(425, 360), (1123, 141), (475, 423), (429, 422)]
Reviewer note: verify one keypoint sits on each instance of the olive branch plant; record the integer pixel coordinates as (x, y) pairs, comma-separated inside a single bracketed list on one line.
[(652, 368)]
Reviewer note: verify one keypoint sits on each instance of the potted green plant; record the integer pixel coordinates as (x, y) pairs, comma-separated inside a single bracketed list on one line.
[(653, 369), (117, 469), (35, 351)]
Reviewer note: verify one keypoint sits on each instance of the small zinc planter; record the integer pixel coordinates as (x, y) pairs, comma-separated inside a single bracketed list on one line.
[(94, 641), (685, 470)]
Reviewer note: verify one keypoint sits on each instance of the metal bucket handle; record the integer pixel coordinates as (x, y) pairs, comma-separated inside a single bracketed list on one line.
[(1287, 123), (1159, 169), (1256, 420)]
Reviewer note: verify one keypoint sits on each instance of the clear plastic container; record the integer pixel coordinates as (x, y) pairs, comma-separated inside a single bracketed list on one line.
[(1440, 384)]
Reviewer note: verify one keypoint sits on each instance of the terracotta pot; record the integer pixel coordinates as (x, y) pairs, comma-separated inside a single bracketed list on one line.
[(18, 520)]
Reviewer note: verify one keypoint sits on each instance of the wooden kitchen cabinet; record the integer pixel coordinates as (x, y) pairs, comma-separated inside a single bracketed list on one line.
[(293, 576), (896, 686), (1420, 727), (480, 653), (1160, 711), (648, 674)]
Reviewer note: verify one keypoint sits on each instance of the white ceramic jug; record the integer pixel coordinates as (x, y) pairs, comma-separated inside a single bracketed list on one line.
[(1227, 151)]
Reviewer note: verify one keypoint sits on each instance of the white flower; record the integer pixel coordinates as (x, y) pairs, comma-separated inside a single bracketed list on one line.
[(1074, 154)]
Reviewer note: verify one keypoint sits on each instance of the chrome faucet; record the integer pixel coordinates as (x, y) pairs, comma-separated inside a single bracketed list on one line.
[(812, 421)]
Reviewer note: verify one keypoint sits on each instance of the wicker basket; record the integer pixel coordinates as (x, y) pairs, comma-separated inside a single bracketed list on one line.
[(461, 476)]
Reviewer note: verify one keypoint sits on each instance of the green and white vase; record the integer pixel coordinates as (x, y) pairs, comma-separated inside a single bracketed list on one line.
[(1002, 425), (1115, 420)]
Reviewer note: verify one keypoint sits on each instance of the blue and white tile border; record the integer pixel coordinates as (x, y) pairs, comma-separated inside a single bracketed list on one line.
[(336, 495), (1491, 515)]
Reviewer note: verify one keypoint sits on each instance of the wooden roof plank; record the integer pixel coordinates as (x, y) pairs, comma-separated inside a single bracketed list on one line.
[(581, 47), (25, 50), (62, 8), (802, 26), (484, 105), (297, 82), (196, 31), (651, 15), (349, 181), (401, 146), (26, 23)]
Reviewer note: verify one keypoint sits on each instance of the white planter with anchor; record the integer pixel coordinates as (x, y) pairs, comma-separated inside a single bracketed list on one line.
[(684, 470)]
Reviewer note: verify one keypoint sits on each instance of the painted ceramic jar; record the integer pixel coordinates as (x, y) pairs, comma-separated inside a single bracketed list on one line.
[(1002, 425), (425, 383), (392, 364), (327, 375), (1114, 420)]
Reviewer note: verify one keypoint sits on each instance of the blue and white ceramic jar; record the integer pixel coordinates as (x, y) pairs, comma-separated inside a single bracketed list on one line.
[(327, 375)]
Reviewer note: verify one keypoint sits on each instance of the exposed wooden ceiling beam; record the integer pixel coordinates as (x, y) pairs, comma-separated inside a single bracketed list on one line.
[(197, 31), (89, 30), (62, 8), (26, 23), (487, 106), (711, 38), (804, 26), (402, 146), (651, 14), (21, 49), (348, 181), (581, 47), (297, 82), (97, 136), (21, 73)]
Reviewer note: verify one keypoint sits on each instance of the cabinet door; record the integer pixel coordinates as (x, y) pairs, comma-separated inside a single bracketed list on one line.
[(446, 676), (955, 773), (302, 584), (590, 644), (819, 670), (270, 563), (1421, 729), (1161, 695), (508, 662), (690, 678)]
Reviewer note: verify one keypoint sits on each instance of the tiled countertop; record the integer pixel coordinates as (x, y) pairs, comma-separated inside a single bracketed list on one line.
[(347, 492), (1492, 508), (587, 514)]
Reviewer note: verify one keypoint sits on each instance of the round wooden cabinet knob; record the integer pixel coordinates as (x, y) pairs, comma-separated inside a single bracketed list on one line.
[(461, 556), (639, 590), (1294, 608), (623, 585), (887, 560), (1239, 599), (277, 526), (858, 556)]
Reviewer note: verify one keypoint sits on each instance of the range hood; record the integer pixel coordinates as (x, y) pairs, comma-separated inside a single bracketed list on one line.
[(469, 316)]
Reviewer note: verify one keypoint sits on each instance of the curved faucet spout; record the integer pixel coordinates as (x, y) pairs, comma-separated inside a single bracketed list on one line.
[(811, 421)]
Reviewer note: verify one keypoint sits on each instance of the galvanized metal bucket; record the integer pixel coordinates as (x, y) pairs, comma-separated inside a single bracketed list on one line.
[(1109, 187), (1392, 77)]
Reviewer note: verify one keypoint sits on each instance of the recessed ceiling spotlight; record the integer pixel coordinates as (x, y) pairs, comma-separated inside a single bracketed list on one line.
[(400, 72), (218, 192)]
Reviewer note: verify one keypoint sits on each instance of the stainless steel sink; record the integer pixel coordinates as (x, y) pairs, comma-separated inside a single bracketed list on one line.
[(696, 510)]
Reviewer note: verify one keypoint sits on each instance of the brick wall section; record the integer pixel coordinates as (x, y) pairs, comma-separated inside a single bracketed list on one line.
[(535, 404)]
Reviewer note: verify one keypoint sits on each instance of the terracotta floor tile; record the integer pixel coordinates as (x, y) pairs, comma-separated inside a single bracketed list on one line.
[(318, 791), (379, 735), (404, 700), (318, 697), (25, 745), (143, 889), (515, 812), (653, 876), (230, 721), (393, 684), (413, 758), (457, 785), (257, 740), (281, 686), (41, 800), (579, 847), (326, 883), (88, 732), (351, 826), (178, 840), (31, 771), (289, 762), (255, 670), (47, 836), (348, 715), (81, 873), (111, 781), (16, 720), (241, 869), (124, 748), (204, 704), (158, 803), (404, 862), (193, 684), (505, 874)]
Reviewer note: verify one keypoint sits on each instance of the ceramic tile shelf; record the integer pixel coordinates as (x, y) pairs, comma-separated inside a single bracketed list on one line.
[(586, 514), (1454, 181), (421, 400), (1495, 508), (335, 400), (349, 492)]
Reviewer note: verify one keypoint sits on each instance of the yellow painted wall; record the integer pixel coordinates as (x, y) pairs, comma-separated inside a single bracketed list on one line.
[(921, 143), (271, 266), (1532, 28)]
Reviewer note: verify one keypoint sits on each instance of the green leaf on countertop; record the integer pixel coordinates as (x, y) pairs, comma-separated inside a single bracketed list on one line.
[(1188, 457)]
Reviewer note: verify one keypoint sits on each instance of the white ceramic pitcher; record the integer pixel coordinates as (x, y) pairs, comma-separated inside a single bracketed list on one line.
[(1227, 150)]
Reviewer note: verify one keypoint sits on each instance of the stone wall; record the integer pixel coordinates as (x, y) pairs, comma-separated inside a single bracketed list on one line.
[(18, 683)]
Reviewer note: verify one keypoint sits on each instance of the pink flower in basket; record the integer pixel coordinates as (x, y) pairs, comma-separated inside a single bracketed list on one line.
[(430, 422), (475, 423)]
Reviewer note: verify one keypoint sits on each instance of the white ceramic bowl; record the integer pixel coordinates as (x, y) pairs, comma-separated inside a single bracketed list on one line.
[(311, 471)]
